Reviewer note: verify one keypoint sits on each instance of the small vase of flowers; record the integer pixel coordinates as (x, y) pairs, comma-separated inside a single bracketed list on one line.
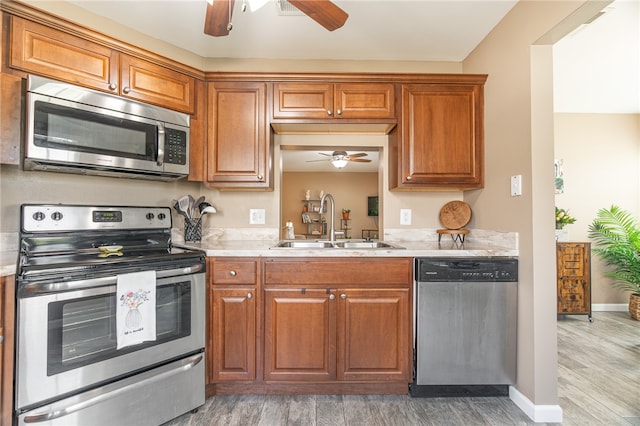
[(563, 218)]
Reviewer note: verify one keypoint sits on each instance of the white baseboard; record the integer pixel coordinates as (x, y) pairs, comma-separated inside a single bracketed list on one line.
[(537, 413), (614, 307)]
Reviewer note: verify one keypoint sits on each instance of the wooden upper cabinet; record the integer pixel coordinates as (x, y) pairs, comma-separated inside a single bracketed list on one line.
[(327, 100), (42, 50), (439, 142), (147, 82), (239, 138), (45, 51)]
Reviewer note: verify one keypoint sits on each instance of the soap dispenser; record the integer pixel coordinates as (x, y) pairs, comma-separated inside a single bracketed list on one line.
[(289, 233)]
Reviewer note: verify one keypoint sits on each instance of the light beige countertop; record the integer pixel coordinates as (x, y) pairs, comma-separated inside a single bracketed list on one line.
[(8, 262), (262, 248)]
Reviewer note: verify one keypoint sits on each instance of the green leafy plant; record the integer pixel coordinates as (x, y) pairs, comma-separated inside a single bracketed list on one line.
[(616, 235), (346, 210)]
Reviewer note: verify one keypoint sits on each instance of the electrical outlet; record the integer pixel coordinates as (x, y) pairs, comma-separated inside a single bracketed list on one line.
[(256, 217), (516, 185), (405, 216)]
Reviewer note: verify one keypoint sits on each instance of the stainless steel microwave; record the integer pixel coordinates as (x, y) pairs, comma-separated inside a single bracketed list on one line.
[(78, 130)]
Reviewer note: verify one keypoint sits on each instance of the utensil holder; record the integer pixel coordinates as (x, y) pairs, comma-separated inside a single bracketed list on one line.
[(193, 230)]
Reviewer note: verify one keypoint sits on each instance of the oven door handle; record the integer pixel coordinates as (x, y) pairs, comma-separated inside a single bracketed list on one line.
[(38, 288), (56, 411)]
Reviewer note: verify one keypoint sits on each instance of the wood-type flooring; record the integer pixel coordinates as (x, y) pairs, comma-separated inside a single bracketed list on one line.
[(598, 384)]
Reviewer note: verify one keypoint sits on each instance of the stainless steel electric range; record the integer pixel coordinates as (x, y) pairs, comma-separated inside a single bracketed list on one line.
[(110, 318)]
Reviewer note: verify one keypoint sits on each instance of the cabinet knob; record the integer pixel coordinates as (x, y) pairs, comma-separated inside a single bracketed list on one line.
[(408, 177), (259, 177), (329, 112), (113, 86), (126, 90), (249, 295), (332, 296), (339, 112), (343, 296), (232, 273)]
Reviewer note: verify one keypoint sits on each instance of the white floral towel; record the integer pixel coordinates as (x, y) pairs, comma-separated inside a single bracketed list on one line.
[(136, 308)]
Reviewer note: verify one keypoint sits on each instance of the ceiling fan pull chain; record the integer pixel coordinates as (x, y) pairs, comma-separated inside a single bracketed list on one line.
[(230, 24)]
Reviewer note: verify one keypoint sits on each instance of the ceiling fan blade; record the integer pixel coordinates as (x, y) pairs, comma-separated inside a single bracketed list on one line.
[(217, 21), (359, 160), (324, 12), (360, 154), (314, 161), (328, 155)]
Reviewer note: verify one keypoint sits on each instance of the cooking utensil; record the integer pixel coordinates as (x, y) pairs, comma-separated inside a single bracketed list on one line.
[(183, 202), (206, 208), (196, 204), (181, 212), (192, 203)]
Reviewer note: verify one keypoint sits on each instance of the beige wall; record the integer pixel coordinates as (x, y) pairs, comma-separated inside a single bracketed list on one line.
[(349, 190), (601, 155), (519, 140)]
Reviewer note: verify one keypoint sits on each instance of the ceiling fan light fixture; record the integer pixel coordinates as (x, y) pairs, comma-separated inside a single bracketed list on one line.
[(339, 162)]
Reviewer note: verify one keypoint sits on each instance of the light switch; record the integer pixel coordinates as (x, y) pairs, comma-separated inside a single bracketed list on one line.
[(516, 185)]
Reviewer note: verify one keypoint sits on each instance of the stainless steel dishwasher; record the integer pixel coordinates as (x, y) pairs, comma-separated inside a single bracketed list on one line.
[(465, 326)]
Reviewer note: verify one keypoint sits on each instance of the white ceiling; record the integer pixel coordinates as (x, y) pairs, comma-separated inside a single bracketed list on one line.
[(393, 30)]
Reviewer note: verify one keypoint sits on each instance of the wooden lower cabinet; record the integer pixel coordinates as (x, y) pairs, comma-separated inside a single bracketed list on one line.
[(573, 262), (234, 334), (309, 325), (373, 329), (300, 334), (232, 319), (7, 312)]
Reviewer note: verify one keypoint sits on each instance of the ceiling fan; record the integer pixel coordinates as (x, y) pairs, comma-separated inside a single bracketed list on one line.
[(339, 159), (218, 15)]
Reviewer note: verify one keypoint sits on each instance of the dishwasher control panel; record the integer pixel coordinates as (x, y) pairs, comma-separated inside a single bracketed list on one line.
[(472, 269)]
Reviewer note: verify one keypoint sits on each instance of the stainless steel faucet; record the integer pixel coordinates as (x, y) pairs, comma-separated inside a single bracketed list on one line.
[(332, 230)]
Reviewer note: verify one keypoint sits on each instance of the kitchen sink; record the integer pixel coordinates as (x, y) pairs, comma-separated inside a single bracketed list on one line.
[(340, 244)]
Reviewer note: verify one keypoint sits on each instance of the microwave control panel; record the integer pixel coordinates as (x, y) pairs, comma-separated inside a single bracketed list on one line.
[(176, 146)]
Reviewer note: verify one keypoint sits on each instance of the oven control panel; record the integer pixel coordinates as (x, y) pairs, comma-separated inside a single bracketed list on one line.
[(61, 217)]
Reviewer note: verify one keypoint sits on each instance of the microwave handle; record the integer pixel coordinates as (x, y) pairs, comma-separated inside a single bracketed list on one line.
[(161, 139)]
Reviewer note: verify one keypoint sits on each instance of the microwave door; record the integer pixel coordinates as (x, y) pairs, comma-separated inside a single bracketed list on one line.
[(78, 134)]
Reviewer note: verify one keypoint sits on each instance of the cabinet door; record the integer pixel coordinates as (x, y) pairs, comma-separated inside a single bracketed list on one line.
[(302, 100), (42, 50), (364, 100), (233, 325), (441, 138), (239, 152), (148, 82), (299, 335), (374, 334)]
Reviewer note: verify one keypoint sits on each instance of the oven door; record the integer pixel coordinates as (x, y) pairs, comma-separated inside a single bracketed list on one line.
[(67, 340)]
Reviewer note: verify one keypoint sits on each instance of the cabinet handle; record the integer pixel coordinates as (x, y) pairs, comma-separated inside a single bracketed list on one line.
[(113, 86), (126, 90), (339, 112), (343, 296), (259, 177), (332, 296), (329, 112), (249, 295), (408, 177), (233, 273)]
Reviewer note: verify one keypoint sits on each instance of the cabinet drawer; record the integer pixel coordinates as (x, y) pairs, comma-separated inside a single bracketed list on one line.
[(339, 271), (234, 271)]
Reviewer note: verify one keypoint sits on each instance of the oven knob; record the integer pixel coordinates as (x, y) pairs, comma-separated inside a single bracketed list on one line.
[(56, 216), (38, 216), (150, 216), (162, 216)]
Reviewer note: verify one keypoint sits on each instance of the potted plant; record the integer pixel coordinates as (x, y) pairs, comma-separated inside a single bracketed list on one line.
[(616, 235), (345, 213), (563, 218)]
